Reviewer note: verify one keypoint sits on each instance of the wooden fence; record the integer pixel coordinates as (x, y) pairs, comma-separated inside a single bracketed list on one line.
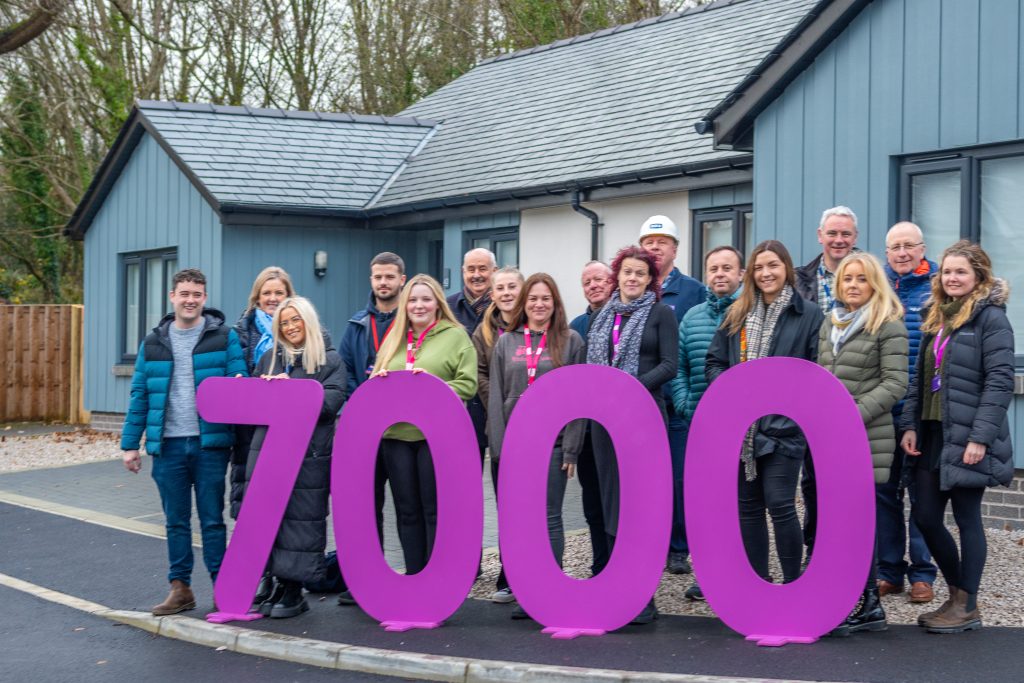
[(41, 363)]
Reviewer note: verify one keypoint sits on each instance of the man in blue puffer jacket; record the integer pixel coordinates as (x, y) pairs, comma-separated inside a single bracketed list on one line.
[(910, 275), (188, 346), (723, 273)]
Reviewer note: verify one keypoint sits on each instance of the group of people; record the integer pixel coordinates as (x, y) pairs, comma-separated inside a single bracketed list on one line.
[(925, 350)]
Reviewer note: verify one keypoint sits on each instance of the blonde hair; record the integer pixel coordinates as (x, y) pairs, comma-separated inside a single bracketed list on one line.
[(487, 321), (885, 305), (268, 273), (982, 266), (396, 339), (314, 351)]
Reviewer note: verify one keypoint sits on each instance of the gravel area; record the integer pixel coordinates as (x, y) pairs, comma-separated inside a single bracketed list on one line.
[(55, 449), (1001, 599)]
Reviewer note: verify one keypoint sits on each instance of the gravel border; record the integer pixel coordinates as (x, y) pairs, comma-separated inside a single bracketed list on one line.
[(58, 449)]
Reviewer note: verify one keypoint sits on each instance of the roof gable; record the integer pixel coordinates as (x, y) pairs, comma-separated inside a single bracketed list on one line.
[(616, 102)]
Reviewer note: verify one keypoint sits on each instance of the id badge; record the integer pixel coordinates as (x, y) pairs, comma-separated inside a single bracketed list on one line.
[(369, 371), (936, 383)]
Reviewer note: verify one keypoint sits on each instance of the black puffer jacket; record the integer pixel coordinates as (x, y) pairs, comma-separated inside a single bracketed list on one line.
[(977, 381), (298, 553), (248, 337), (796, 336)]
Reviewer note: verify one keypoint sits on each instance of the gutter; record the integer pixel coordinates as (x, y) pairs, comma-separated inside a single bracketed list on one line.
[(595, 221)]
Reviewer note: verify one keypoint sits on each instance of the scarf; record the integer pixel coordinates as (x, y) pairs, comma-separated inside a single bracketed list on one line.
[(951, 308), (758, 331), (263, 324), (845, 324), (630, 332), (478, 306)]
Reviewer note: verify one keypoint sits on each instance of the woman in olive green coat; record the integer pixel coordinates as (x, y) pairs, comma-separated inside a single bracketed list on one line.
[(864, 344)]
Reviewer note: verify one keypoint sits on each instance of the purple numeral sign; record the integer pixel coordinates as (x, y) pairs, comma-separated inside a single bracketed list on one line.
[(818, 601), (566, 606), (425, 599), (289, 408)]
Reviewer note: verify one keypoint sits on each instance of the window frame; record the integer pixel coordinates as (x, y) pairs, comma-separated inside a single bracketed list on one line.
[(141, 259), (736, 213), (968, 161), (493, 235)]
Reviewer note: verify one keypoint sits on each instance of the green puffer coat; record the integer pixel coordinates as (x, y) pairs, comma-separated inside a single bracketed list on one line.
[(873, 368)]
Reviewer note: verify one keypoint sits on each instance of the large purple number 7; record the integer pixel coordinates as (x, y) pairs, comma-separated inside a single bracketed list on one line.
[(290, 409)]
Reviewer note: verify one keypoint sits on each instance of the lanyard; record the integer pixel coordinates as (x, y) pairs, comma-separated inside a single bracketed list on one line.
[(615, 336), (373, 326), (940, 349), (533, 358), (743, 345), (411, 350)]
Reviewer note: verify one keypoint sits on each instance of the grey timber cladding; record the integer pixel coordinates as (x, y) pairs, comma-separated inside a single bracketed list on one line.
[(301, 160), (617, 101)]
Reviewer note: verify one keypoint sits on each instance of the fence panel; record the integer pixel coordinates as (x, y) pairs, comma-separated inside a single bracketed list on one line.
[(41, 363)]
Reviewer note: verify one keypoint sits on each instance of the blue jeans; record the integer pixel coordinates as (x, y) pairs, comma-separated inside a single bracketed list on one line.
[(892, 533), (182, 465), (678, 430), (556, 496)]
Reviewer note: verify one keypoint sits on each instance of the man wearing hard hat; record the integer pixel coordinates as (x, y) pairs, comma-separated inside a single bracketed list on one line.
[(660, 236)]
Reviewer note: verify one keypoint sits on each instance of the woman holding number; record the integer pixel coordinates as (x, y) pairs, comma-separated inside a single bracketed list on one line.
[(301, 351), (426, 338), (864, 344), (639, 335), (768, 319), (955, 422), (538, 340)]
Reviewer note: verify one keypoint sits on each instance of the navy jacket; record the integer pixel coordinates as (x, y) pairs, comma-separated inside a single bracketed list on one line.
[(216, 354), (357, 350), (581, 323), (680, 293), (913, 289), (464, 312)]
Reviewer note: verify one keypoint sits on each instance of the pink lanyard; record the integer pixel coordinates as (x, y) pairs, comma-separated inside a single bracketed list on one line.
[(411, 350), (939, 349), (533, 358), (615, 336)]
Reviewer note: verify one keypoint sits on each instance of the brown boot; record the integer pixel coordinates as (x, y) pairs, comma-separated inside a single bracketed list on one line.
[(178, 600), (925, 619), (956, 619)]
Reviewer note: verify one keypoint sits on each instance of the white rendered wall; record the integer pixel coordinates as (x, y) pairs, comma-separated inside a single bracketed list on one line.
[(557, 240)]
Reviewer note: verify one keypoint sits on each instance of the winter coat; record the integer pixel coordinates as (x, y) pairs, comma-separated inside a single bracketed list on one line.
[(509, 381), (680, 293), (357, 350), (913, 289), (464, 313), (581, 323), (483, 353), (248, 336), (446, 353), (977, 387), (695, 334), (807, 280), (873, 368), (796, 336), (298, 552), (216, 354)]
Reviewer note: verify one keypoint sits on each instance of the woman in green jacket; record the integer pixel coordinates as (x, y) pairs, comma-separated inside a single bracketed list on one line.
[(434, 342), (864, 344)]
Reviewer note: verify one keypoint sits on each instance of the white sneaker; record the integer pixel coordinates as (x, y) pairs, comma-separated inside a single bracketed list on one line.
[(503, 595)]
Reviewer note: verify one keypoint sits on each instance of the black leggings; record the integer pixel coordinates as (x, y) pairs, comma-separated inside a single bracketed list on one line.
[(773, 490), (411, 475), (960, 568)]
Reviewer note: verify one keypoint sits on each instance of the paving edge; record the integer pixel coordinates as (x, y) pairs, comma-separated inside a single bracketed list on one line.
[(370, 660)]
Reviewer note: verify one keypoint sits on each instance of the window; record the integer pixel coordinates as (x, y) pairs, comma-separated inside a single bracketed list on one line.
[(147, 280), (727, 226), (503, 243), (973, 194)]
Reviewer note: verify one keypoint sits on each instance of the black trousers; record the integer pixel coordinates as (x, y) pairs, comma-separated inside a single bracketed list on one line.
[(810, 494), (961, 568), (411, 474), (586, 469), (773, 490)]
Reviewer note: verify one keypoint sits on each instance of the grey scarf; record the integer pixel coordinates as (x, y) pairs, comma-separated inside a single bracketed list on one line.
[(760, 330), (846, 323), (630, 333)]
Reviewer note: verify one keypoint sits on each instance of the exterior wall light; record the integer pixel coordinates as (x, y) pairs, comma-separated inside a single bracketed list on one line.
[(320, 263)]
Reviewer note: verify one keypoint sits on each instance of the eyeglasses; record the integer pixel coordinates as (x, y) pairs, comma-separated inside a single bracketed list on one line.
[(904, 247), (294, 322)]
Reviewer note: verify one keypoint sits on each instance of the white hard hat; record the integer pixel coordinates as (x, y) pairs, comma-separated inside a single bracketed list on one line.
[(659, 225)]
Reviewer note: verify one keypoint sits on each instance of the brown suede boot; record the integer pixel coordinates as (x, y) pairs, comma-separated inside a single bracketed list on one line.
[(956, 619), (924, 619), (178, 600)]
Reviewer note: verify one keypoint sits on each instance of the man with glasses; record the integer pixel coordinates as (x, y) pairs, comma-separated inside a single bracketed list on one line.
[(910, 275), (816, 282)]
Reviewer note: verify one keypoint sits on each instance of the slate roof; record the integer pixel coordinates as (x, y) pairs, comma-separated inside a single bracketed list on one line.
[(614, 102), (242, 158)]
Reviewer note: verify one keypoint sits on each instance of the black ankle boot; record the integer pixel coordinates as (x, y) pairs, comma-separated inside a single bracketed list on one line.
[(276, 594), (869, 615), (291, 604), (263, 591), (649, 614)]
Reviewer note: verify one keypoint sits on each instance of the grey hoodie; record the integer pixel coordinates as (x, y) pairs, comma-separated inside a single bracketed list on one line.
[(508, 382)]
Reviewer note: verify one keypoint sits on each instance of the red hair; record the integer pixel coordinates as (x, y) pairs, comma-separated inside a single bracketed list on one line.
[(640, 254)]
